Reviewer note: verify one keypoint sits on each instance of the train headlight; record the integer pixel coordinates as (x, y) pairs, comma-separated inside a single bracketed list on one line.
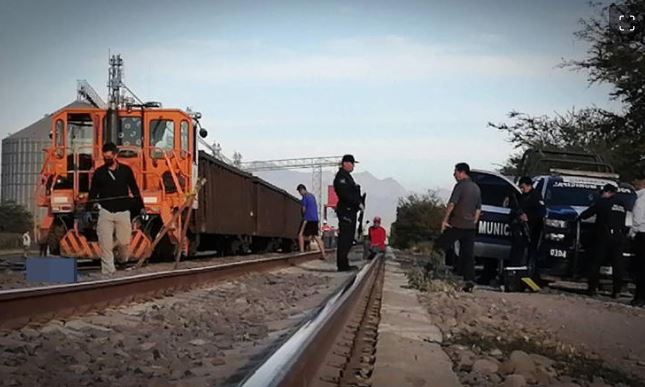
[(149, 199), (556, 223)]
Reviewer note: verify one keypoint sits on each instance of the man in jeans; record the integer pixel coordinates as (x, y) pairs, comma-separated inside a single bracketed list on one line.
[(112, 185), (459, 222)]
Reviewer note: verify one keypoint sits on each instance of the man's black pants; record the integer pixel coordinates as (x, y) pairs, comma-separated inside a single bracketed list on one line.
[(639, 265), (520, 243), (465, 262), (610, 244), (346, 230)]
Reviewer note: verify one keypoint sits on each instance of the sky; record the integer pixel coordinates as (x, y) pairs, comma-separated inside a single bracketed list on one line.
[(408, 87)]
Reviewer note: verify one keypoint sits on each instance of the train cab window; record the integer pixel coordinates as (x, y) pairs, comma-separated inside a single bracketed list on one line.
[(183, 129), (162, 137), (80, 133), (58, 134), (130, 133), (80, 148)]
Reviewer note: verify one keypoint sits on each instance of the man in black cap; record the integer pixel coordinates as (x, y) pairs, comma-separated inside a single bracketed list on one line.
[(528, 223), (609, 237), (349, 202)]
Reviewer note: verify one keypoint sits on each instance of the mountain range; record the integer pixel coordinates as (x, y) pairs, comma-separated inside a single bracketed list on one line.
[(382, 194)]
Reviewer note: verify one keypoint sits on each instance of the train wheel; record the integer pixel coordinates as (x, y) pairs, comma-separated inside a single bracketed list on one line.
[(236, 247), (193, 244), (165, 249), (56, 233)]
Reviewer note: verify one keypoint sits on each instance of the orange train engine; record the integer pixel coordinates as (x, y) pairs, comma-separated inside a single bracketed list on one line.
[(157, 144)]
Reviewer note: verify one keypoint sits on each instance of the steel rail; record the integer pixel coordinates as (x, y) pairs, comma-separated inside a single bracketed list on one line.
[(300, 360), (19, 307)]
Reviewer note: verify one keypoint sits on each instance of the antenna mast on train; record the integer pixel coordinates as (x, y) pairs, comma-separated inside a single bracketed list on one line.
[(115, 81)]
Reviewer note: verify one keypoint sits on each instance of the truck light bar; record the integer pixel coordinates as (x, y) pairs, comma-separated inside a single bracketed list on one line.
[(572, 172)]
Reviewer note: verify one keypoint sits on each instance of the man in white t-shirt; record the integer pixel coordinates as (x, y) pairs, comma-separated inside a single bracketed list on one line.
[(26, 244)]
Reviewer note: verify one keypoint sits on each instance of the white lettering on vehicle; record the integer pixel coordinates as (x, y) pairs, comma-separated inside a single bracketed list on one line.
[(494, 228), (558, 253)]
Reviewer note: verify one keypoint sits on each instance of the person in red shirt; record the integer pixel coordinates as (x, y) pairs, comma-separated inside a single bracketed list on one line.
[(377, 236)]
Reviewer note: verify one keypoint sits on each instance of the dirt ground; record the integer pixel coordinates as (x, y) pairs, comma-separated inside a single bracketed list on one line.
[(562, 339), (209, 336)]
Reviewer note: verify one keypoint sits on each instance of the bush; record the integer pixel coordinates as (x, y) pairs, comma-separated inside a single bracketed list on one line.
[(16, 218), (10, 240), (430, 274), (418, 219)]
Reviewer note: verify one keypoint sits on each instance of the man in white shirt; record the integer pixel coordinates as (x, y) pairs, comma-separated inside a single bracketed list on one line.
[(638, 228), (26, 244)]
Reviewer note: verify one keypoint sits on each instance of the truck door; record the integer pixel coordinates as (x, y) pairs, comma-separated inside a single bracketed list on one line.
[(493, 238)]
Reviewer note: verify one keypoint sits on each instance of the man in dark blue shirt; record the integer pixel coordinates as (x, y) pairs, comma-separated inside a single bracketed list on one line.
[(310, 221)]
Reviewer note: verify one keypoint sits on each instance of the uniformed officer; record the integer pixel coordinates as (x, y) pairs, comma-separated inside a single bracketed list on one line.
[(528, 224), (349, 202), (609, 237)]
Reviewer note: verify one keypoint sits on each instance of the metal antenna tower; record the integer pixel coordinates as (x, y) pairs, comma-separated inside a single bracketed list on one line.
[(315, 163), (115, 81)]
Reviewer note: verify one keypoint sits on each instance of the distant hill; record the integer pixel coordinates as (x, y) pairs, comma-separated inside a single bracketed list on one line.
[(382, 194)]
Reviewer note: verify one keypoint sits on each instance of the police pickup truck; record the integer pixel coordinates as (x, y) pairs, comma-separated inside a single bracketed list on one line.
[(564, 242)]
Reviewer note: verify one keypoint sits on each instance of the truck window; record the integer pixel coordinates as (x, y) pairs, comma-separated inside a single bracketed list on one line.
[(495, 190), (560, 193)]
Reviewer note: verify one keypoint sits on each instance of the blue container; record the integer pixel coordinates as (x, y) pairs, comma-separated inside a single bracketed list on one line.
[(51, 269)]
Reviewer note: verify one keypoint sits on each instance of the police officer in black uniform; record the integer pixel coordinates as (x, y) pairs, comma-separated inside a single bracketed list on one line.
[(609, 237), (349, 202), (527, 224)]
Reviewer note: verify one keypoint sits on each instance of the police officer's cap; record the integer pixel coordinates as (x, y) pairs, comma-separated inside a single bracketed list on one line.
[(610, 188), (349, 159)]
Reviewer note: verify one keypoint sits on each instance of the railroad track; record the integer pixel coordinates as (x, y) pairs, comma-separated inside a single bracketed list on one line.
[(336, 346), (19, 307)]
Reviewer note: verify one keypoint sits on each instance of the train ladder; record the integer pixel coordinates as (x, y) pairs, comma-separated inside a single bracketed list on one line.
[(188, 204)]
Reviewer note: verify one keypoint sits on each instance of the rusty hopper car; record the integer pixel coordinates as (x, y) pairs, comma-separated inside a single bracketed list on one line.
[(241, 213)]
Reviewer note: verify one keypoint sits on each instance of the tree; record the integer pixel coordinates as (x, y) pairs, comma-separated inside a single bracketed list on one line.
[(613, 58), (616, 58), (15, 217), (418, 218), (585, 130)]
